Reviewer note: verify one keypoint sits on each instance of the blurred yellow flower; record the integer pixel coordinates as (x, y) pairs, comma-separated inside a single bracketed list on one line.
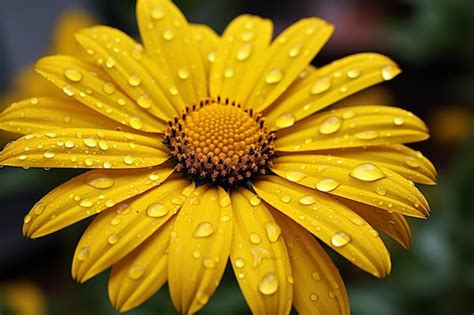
[(208, 148), (23, 298), (451, 124)]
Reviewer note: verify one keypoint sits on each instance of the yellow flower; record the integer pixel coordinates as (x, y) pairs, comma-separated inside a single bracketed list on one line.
[(23, 298), (209, 148)]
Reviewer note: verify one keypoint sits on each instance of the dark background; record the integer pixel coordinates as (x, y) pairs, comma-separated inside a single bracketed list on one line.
[(432, 40)]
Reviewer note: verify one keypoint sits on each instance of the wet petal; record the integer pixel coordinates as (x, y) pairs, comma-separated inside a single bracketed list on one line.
[(208, 42), (259, 256), (243, 45), (356, 126), (116, 232), (318, 284), (89, 85), (132, 69), (199, 248), (167, 37), (140, 274), (48, 113), (329, 84), (394, 224), (88, 194), (329, 220), (84, 148), (364, 182), (288, 55)]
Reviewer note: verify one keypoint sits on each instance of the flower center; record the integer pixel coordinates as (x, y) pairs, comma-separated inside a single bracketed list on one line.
[(218, 142)]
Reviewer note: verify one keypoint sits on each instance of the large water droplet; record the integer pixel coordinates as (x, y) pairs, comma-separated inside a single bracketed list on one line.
[(398, 121), (156, 210), (108, 88), (367, 135), (255, 200), (367, 172), (157, 13), (285, 120), (320, 86), (389, 72), (73, 74), (112, 239), (136, 122), (204, 229), (353, 73), (327, 185), (295, 176), (244, 52), (330, 125), (90, 142), (184, 73), (136, 272), (273, 76), (239, 263), (83, 253), (100, 181), (340, 239), (411, 162), (168, 34), (307, 200), (134, 80), (128, 159), (273, 231), (144, 101), (295, 50), (269, 284), (255, 238), (49, 154)]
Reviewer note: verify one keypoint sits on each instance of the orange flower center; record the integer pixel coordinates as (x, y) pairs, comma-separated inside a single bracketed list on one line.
[(220, 143)]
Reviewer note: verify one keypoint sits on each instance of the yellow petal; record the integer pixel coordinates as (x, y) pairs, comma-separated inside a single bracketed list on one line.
[(168, 39), (394, 224), (259, 256), (356, 126), (84, 148), (289, 54), (88, 194), (116, 232), (91, 86), (330, 84), (131, 68), (140, 274), (241, 50), (364, 182), (330, 221), (199, 248), (208, 42), (407, 162), (48, 113), (318, 285)]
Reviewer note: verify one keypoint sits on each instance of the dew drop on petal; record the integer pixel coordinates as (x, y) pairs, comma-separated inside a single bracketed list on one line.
[(100, 181), (211, 57), (367, 172), (273, 231), (244, 52), (83, 253), (184, 73), (156, 210), (229, 72), (285, 198), (90, 142), (108, 88), (340, 239), (136, 272), (173, 90), (255, 200), (136, 122), (112, 239), (353, 73), (367, 135), (307, 200), (255, 238), (320, 86), (313, 297), (73, 74), (389, 72), (128, 159), (27, 219), (411, 162), (398, 121), (157, 13), (348, 114), (68, 90), (49, 154), (110, 62), (209, 263), (330, 125), (144, 101), (269, 284), (204, 229), (273, 76), (239, 262), (295, 50), (285, 120), (247, 36), (168, 34), (381, 190), (327, 185), (295, 176)]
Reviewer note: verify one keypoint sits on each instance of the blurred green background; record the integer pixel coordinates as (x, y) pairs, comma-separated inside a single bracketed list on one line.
[(432, 40)]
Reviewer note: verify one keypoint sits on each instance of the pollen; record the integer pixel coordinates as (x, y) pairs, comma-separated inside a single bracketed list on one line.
[(219, 142)]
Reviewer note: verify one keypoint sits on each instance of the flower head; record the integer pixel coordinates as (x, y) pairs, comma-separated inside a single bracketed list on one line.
[(206, 148)]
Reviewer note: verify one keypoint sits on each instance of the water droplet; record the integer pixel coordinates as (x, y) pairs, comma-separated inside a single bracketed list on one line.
[(367, 172), (112, 239), (255, 238), (367, 135), (330, 125), (209, 263), (100, 181), (295, 176), (144, 101), (398, 121), (327, 185), (353, 73), (316, 276), (49, 154), (380, 190), (313, 297), (204, 229), (285, 120), (27, 219), (389, 72), (320, 86), (39, 208), (110, 62), (273, 231), (196, 253), (173, 90), (68, 90), (157, 13), (239, 263), (184, 73), (211, 57), (83, 253), (136, 122), (285, 198), (136, 272), (23, 157), (307, 200), (255, 200), (229, 72), (34, 101), (128, 159), (134, 80), (168, 34), (269, 284), (348, 114), (108, 88), (156, 210), (90, 142), (273, 76), (73, 74), (86, 203), (295, 50), (411, 162), (340, 239), (244, 52), (202, 298), (247, 36)]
